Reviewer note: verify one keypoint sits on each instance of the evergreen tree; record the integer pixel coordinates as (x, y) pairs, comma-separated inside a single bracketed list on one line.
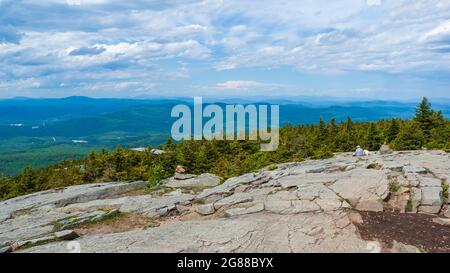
[(322, 133), (425, 117), (374, 138), (410, 137), (393, 130)]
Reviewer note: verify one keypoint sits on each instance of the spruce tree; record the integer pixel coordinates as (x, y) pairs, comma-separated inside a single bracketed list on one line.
[(424, 117), (374, 138), (410, 137), (393, 130)]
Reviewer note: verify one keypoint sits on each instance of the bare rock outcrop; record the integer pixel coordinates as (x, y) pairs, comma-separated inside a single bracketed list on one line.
[(299, 207)]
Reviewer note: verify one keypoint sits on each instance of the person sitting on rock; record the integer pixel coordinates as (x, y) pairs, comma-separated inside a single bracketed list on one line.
[(359, 151)]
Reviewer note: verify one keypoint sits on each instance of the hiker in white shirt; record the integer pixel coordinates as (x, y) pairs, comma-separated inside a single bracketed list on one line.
[(359, 151)]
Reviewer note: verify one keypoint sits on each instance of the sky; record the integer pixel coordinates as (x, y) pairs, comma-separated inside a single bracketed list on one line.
[(375, 49)]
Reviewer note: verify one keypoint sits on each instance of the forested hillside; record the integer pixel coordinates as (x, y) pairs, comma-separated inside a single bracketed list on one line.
[(428, 129)]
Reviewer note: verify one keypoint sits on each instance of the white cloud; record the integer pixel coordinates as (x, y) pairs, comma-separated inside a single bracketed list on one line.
[(239, 85), (143, 40), (438, 34), (373, 2)]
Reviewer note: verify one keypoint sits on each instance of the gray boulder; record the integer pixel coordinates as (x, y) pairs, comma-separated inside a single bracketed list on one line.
[(189, 181)]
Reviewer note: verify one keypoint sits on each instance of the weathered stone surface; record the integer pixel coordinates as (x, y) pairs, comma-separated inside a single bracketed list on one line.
[(416, 197), (183, 176), (229, 185), (66, 235), (429, 209), (403, 248), (299, 207), (429, 182), (200, 181), (414, 169), (236, 198), (431, 196), (5, 249), (246, 233), (370, 205), (154, 206), (442, 221), (241, 211), (67, 196), (362, 185), (206, 209)]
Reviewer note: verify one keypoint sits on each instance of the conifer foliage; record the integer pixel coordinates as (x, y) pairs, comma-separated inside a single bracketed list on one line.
[(230, 158)]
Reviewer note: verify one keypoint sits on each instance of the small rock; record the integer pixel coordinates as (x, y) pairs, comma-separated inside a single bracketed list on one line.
[(180, 169), (183, 176), (370, 205), (430, 209), (385, 149), (442, 221), (447, 213), (402, 248), (355, 218), (5, 249), (66, 235), (432, 196), (181, 208), (206, 209), (374, 165)]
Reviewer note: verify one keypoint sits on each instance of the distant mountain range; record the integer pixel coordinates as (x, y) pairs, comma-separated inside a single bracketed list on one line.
[(81, 124)]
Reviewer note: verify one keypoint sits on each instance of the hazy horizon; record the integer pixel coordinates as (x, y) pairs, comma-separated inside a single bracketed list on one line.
[(294, 99)]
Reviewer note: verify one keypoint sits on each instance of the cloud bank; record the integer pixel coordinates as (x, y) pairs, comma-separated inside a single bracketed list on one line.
[(111, 48)]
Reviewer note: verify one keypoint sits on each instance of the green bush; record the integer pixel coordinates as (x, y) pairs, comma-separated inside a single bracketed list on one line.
[(155, 174)]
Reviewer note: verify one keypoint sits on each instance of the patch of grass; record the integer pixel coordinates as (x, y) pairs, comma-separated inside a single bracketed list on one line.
[(40, 243), (21, 212), (394, 187), (272, 167), (445, 189), (57, 226), (421, 249), (409, 206), (107, 217)]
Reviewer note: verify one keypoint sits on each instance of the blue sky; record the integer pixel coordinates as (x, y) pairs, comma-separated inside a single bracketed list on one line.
[(377, 49)]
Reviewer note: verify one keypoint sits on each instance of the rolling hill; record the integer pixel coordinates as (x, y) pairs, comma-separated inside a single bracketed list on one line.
[(38, 132)]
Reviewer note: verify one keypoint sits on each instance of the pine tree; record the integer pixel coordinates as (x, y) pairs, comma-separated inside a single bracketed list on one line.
[(374, 138), (424, 117), (393, 130), (321, 131), (410, 137)]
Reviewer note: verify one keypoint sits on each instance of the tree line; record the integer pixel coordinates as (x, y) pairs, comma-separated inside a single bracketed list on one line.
[(427, 129)]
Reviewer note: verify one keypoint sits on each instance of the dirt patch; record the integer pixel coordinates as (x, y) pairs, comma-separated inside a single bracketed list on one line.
[(132, 193), (408, 228), (121, 223)]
